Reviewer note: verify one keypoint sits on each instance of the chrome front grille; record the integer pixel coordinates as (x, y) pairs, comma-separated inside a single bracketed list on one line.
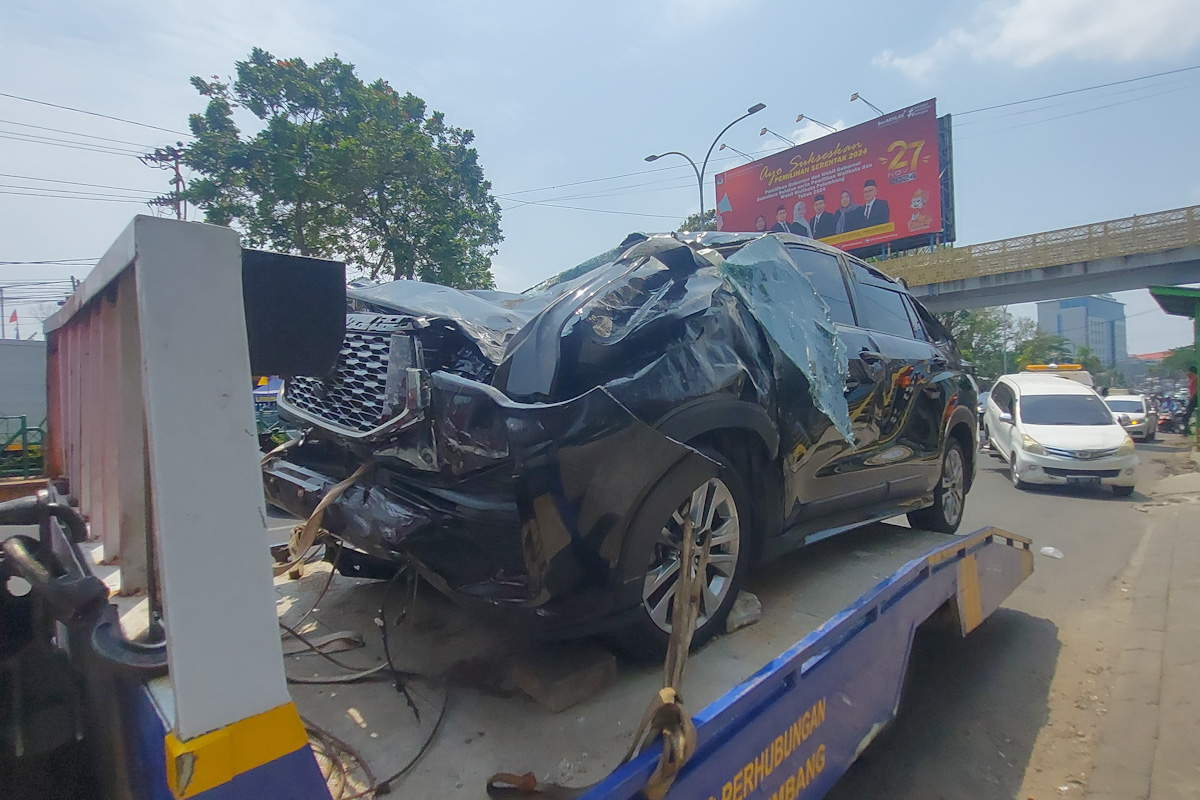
[(354, 396), (1082, 455)]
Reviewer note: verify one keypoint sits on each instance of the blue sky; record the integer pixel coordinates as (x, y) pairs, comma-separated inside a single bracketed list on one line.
[(566, 93)]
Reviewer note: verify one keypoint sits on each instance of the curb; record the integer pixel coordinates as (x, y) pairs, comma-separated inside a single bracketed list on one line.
[(1124, 759)]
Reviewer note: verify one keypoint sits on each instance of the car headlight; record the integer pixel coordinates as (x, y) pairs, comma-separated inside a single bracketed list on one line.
[(1030, 445), (1126, 448)]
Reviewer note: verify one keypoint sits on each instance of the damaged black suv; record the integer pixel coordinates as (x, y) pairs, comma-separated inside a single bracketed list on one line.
[(541, 451)]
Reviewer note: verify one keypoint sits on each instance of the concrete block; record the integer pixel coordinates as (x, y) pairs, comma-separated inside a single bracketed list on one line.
[(1135, 689), (1149, 612), (1145, 639), (559, 676), (1147, 663), (747, 610), (1125, 758)]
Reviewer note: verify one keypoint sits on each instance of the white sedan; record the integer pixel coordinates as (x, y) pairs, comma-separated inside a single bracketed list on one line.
[(1055, 431)]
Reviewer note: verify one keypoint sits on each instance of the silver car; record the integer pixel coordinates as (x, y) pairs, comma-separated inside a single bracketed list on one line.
[(1136, 414)]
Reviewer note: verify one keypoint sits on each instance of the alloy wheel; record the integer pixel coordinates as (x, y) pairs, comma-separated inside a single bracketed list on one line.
[(714, 517), (953, 486)]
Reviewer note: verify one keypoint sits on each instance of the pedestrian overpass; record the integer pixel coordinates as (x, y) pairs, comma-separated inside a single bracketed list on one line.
[(1161, 249)]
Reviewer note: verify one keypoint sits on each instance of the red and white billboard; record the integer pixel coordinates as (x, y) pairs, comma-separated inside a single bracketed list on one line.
[(873, 183)]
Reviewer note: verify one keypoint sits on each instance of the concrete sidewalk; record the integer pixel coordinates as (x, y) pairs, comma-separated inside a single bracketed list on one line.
[(1150, 742)]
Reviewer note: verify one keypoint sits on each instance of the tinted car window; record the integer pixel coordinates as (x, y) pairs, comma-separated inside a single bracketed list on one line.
[(825, 274), (884, 310), (1003, 396), (1126, 406), (913, 319), (1064, 409)]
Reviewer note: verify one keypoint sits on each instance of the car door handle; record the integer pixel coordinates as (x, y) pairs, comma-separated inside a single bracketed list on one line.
[(870, 355)]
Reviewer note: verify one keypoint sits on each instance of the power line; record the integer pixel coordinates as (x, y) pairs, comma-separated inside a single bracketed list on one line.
[(92, 114), (67, 197), (75, 133), (64, 191), (1050, 106), (1073, 113), (1077, 91), (76, 183), (87, 146), (64, 261), (596, 210)]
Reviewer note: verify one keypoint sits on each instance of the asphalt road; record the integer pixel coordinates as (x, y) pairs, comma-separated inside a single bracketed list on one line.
[(1013, 710)]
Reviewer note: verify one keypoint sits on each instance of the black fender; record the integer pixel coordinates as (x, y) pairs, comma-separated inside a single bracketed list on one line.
[(691, 420)]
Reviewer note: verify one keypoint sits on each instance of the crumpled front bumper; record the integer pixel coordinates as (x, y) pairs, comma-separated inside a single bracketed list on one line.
[(530, 506)]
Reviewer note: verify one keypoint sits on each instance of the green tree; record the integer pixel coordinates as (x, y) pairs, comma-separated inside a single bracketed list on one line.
[(1176, 364), (344, 169), (700, 222), (1089, 360), (1043, 348), (989, 338)]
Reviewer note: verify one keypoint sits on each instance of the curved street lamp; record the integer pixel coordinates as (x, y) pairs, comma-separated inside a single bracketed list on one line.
[(754, 109)]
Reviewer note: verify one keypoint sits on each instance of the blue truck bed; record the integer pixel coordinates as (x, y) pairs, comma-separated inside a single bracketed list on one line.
[(789, 730), (796, 726)]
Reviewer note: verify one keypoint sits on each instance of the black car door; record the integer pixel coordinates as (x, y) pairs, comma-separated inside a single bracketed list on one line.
[(909, 407), (822, 471)]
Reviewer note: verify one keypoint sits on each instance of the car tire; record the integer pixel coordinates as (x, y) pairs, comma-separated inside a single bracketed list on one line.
[(1122, 491), (1149, 437), (723, 508), (1015, 476), (949, 495)]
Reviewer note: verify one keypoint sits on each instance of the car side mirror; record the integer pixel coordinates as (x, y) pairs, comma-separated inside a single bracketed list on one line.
[(1006, 416), (1123, 419)]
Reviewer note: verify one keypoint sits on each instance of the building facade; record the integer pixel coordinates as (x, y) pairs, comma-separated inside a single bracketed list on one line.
[(1097, 323)]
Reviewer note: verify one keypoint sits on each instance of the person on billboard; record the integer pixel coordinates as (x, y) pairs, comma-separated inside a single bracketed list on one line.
[(822, 224), (845, 208), (799, 223), (760, 223), (874, 211), (781, 224)]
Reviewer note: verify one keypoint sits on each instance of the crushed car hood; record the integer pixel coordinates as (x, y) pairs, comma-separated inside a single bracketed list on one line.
[(488, 318), (637, 292)]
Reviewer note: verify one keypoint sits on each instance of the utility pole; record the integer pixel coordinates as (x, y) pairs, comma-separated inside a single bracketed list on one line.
[(1004, 336), (169, 158)]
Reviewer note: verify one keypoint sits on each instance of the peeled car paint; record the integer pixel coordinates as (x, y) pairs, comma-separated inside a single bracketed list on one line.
[(783, 300)]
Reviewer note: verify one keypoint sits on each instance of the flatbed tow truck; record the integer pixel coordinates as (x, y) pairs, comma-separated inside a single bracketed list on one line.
[(182, 688)]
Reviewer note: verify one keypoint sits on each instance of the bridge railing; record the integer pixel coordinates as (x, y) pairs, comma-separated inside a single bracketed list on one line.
[(1145, 233)]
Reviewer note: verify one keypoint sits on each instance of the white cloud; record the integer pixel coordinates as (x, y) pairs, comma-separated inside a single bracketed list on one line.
[(808, 130), (1029, 32)]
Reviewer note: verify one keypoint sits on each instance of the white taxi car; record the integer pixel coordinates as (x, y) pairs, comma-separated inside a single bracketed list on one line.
[(1136, 415), (1053, 430)]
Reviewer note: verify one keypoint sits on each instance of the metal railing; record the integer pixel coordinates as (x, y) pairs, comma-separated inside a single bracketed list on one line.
[(1148, 233), (20, 448)]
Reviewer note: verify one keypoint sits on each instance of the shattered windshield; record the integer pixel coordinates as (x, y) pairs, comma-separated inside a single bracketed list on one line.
[(784, 301)]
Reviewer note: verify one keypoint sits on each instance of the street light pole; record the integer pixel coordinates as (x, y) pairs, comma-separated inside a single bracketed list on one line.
[(801, 118), (765, 131), (857, 96), (734, 149), (754, 109)]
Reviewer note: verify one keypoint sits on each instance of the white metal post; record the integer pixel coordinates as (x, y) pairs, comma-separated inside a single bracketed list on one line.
[(183, 352)]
